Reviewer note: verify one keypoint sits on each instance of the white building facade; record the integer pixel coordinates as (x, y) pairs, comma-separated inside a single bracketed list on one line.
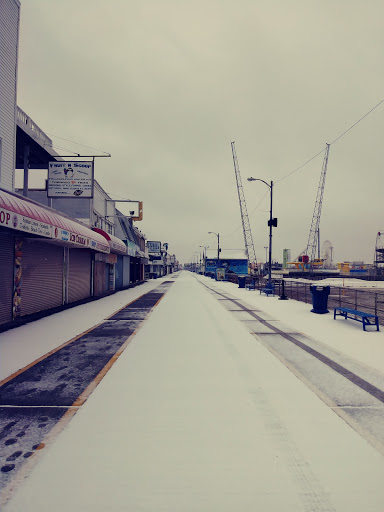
[(9, 41)]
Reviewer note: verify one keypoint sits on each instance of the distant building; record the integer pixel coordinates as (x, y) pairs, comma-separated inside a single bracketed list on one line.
[(234, 261)]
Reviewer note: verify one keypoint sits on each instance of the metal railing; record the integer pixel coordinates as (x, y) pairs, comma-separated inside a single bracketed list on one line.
[(369, 301)]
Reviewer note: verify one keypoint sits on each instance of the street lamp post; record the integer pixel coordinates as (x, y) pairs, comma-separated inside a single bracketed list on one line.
[(272, 222), (205, 247), (218, 248)]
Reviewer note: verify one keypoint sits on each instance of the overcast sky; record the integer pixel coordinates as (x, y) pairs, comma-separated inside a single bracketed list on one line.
[(165, 86)]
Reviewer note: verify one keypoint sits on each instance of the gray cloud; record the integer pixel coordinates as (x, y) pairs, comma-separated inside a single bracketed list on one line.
[(165, 86)]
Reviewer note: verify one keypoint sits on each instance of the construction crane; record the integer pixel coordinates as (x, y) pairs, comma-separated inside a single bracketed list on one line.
[(314, 236), (248, 240)]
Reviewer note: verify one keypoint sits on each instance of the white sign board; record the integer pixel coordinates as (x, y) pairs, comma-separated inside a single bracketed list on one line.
[(70, 179), (154, 248)]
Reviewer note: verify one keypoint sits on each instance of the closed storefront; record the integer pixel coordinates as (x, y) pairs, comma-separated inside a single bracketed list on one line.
[(113, 271), (46, 258), (41, 275), (79, 274), (119, 273), (135, 270), (7, 257), (122, 272), (126, 271), (100, 279)]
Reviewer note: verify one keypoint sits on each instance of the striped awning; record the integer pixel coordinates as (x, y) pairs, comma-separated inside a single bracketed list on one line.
[(22, 214), (115, 244)]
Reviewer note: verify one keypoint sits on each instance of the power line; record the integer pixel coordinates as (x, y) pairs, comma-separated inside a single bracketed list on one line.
[(78, 143), (335, 140), (312, 158), (357, 122), (301, 166)]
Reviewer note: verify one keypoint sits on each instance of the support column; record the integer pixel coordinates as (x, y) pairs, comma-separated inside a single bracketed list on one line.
[(26, 170)]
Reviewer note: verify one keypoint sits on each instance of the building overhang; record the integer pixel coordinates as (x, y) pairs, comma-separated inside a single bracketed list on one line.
[(27, 216), (28, 134), (115, 244)]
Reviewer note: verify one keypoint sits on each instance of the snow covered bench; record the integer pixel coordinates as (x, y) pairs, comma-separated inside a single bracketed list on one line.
[(269, 289), (359, 316)]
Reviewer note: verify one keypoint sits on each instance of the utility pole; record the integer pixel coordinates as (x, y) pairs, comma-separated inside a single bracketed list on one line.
[(218, 248), (271, 223)]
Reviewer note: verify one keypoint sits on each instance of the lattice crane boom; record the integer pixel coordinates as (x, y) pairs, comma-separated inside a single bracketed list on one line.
[(313, 238), (248, 240)]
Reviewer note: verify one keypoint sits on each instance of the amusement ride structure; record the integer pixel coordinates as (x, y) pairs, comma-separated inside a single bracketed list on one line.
[(248, 240)]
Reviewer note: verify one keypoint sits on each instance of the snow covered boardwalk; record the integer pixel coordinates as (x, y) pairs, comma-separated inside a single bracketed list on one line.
[(211, 408)]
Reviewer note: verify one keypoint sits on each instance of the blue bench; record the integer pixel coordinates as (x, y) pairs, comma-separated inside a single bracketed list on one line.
[(268, 290), (353, 314), (251, 285)]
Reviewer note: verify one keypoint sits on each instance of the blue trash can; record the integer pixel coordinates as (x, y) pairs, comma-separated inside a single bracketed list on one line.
[(320, 299), (241, 280)]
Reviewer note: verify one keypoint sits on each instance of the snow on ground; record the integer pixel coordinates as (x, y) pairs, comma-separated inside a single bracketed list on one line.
[(341, 282), (196, 416), (345, 336)]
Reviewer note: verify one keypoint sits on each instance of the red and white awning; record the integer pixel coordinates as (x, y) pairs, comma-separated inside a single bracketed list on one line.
[(115, 244), (27, 216)]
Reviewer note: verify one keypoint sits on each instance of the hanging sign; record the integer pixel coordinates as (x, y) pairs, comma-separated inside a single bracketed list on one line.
[(70, 179)]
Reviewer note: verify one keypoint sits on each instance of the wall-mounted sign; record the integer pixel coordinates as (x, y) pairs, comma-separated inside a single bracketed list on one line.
[(70, 179), (154, 248)]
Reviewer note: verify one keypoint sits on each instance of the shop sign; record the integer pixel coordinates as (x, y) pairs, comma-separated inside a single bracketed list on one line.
[(99, 247), (70, 179), (64, 235), (210, 264), (154, 248), (21, 223), (131, 248), (286, 257)]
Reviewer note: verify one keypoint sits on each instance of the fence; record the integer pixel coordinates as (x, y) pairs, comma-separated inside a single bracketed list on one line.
[(363, 300)]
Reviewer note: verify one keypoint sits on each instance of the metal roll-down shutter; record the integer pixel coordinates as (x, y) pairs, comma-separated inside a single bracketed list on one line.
[(7, 245), (79, 274), (42, 276)]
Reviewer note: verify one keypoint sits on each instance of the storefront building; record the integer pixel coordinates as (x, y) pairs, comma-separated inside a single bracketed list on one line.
[(47, 259), (109, 267)]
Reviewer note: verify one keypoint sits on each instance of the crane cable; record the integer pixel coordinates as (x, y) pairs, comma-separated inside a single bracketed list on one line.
[(335, 140), (310, 160)]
